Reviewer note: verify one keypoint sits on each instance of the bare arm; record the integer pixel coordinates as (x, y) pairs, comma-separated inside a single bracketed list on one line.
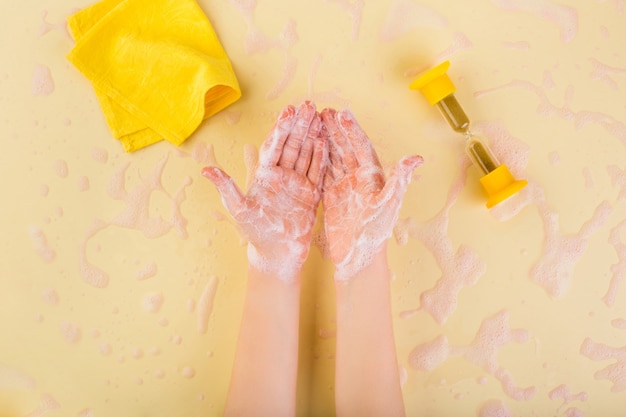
[(367, 380), (360, 208), (277, 216)]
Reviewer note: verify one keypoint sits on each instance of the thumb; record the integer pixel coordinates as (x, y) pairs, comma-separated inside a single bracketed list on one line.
[(232, 197), (400, 177)]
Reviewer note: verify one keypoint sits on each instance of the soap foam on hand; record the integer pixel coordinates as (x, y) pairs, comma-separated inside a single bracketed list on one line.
[(278, 212), (360, 206)]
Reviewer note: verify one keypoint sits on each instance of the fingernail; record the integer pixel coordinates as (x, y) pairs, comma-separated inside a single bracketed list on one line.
[(210, 173), (286, 112)]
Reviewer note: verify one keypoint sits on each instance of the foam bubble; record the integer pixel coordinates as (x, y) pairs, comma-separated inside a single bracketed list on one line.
[(60, 168), (619, 323), (405, 16), (50, 296), (564, 393), (42, 83), (188, 372), (147, 271), (85, 413), (152, 302), (99, 155), (250, 159), (41, 245), (564, 17), (71, 332), (355, 9), (83, 184), (105, 349), (494, 333), (14, 378), (205, 305), (615, 372), (560, 253), (430, 355), (47, 403), (204, 154), (494, 408)]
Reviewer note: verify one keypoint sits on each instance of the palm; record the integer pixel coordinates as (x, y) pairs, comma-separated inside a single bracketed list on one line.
[(360, 206)]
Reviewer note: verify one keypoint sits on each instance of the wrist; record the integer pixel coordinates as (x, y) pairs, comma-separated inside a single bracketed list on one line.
[(363, 262), (277, 263)]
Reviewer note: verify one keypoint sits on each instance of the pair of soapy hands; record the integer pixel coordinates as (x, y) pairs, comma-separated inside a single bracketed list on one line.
[(308, 157)]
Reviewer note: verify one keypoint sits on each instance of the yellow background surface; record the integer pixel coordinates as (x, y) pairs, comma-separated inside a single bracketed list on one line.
[(519, 309)]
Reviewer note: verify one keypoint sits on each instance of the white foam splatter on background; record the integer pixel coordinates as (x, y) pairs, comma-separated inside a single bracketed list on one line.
[(460, 42), (42, 83), (615, 372), (71, 332), (188, 372), (564, 17), (618, 270), (60, 26), (288, 38), (83, 184), (355, 10), (494, 333), (85, 413), (614, 127), (60, 168), (11, 378), (604, 72), (494, 408), (459, 268), (100, 155), (406, 15), (136, 216), (50, 296), (619, 323), (618, 179), (147, 271), (204, 154), (560, 253), (40, 244), (563, 392), (205, 305), (256, 42), (47, 404), (152, 302)]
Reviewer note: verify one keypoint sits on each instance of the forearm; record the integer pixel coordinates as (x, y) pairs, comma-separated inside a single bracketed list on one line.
[(265, 371), (367, 381)]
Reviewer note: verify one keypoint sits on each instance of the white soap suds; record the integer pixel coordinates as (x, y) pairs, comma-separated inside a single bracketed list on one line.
[(41, 245), (494, 333), (152, 302), (147, 271), (205, 305), (42, 83), (71, 332)]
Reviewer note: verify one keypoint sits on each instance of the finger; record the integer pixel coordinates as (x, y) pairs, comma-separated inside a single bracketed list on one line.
[(399, 179), (291, 149), (319, 160), (304, 159), (232, 197), (362, 146), (339, 143), (272, 148)]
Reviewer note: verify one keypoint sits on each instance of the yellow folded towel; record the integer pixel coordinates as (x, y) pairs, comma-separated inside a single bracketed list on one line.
[(157, 66)]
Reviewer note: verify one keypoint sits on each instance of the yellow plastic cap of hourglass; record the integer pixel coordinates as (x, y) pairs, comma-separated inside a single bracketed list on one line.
[(500, 185), (435, 84)]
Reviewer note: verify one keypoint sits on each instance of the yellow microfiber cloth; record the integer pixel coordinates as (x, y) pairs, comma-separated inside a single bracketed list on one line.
[(157, 66)]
